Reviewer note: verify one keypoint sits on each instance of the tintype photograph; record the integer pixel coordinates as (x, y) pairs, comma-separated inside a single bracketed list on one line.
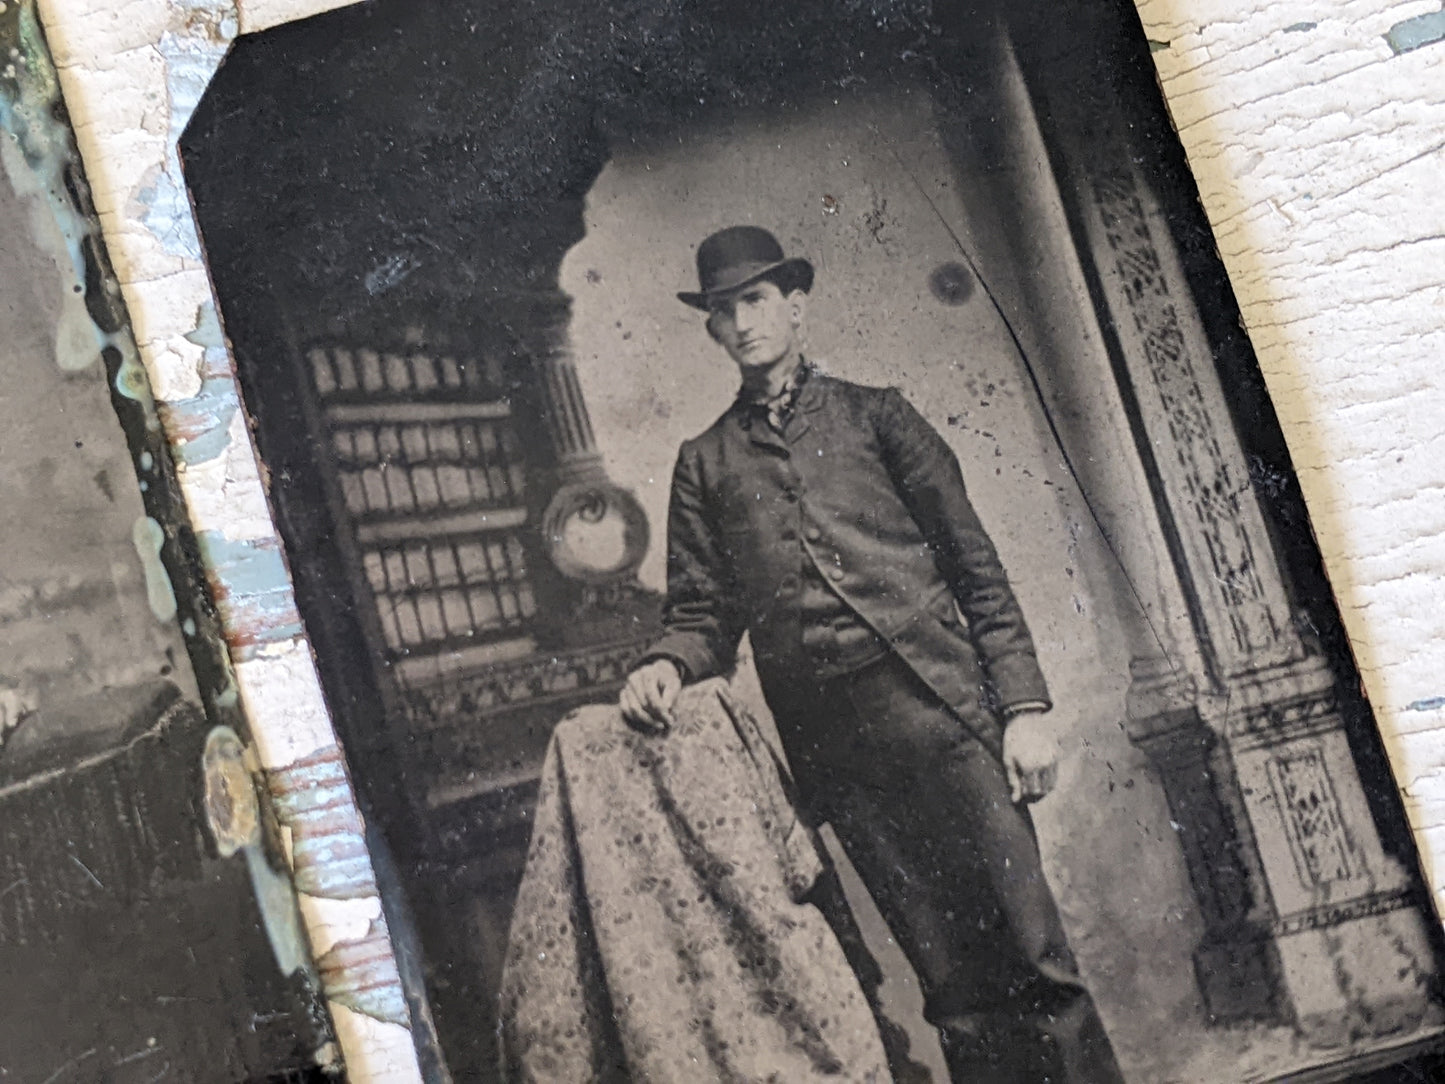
[(798, 551), (148, 927)]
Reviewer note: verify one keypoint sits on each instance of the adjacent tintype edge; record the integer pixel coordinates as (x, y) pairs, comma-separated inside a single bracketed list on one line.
[(202, 587)]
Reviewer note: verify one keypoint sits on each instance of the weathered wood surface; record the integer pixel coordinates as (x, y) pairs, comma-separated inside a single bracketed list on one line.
[(1318, 152)]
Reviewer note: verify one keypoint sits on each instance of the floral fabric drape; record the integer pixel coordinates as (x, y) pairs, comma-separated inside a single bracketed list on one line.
[(658, 935)]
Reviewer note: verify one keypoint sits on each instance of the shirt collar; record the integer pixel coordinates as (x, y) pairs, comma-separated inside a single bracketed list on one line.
[(775, 410), (787, 393)]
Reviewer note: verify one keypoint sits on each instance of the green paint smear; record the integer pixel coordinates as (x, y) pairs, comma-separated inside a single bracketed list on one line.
[(228, 696), (149, 537), (36, 157), (277, 901), (132, 381)]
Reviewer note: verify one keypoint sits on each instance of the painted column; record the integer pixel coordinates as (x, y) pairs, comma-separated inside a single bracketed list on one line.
[(1327, 906), (594, 531), (563, 410), (1024, 243), (1305, 915)]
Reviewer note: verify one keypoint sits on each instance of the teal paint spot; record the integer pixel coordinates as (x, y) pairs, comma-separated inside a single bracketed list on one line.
[(1416, 33), (252, 588), (1299, 28), (148, 538), (203, 422), (147, 461), (188, 627), (328, 841), (1430, 703), (191, 59), (251, 567), (362, 975), (1159, 46), (207, 331)]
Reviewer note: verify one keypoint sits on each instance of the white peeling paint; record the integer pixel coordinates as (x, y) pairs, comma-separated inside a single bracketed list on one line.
[(224, 494), (333, 921), (1318, 154), (279, 686), (376, 1052)]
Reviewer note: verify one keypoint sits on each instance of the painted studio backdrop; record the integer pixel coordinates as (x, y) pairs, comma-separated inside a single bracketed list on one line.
[(446, 241)]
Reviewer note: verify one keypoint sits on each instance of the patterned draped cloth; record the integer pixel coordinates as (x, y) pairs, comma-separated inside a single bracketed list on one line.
[(658, 936)]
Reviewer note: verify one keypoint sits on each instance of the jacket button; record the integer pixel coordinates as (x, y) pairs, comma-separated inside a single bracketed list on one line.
[(812, 534), (835, 573), (788, 584)]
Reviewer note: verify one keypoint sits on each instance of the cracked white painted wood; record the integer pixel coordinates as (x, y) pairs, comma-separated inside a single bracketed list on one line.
[(1318, 153)]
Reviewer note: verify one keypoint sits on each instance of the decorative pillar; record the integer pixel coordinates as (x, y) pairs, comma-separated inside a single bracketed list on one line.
[(1024, 241), (1304, 887), (563, 410), (593, 532)]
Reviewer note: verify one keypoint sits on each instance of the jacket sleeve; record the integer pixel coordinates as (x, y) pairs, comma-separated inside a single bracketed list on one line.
[(927, 476), (701, 625)]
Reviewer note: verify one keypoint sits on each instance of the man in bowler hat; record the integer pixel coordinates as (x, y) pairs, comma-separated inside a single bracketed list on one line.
[(830, 522)]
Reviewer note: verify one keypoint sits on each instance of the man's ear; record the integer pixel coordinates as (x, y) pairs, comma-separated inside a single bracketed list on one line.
[(712, 327), (798, 303)]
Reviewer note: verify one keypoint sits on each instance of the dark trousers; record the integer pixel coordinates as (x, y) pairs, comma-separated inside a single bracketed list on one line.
[(922, 809)]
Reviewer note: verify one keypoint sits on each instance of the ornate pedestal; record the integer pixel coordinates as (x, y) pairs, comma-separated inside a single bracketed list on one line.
[(1236, 969), (1353, 953)]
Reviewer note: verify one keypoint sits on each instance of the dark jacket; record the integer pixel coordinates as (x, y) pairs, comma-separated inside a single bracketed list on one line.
[(869, 493)]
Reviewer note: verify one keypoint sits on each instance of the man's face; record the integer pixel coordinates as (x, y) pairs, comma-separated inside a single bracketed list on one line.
[(757, 325)]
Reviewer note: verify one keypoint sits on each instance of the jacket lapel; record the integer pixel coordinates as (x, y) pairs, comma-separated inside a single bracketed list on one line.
[(810, 399), (759, 432)]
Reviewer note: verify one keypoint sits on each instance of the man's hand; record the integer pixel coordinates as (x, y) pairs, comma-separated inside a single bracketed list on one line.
[(649, 694), (1030, 756)]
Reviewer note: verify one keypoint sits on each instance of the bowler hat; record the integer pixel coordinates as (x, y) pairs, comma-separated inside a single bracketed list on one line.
[(732, 258)]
